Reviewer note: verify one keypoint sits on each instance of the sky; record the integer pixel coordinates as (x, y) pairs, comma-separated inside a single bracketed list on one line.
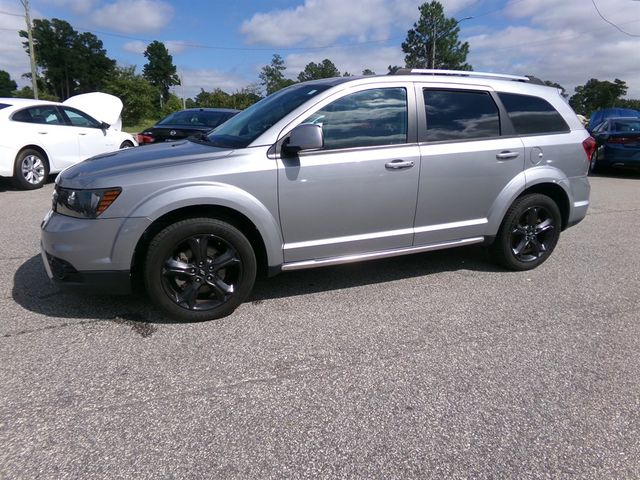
[(224, 44)]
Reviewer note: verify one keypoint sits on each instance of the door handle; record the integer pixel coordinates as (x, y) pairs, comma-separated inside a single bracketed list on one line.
[(507, 155), (42, 133), (398, 164), (82, 133)]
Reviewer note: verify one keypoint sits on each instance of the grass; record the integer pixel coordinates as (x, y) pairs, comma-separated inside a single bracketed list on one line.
[(137, 128)]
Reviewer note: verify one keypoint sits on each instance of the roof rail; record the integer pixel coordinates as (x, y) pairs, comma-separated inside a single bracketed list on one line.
[(460, 73)]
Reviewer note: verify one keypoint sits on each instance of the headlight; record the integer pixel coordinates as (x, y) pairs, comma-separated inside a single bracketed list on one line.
[(83, 203)]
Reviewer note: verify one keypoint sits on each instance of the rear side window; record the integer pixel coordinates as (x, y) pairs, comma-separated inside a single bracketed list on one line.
[(3, 105), (47, 114), (460, 115), (532, 115)]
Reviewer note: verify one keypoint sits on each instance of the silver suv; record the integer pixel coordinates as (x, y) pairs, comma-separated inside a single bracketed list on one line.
[(322, 173)]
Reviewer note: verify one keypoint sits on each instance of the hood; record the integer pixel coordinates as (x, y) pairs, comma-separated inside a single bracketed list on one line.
[(101, 106), (126, 163)]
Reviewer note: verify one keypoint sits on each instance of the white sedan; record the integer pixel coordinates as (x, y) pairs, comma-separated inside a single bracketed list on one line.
[(38, 137)]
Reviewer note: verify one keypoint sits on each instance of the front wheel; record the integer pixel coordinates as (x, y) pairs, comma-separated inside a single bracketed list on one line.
[(126, 144), (199, 269), (31, 169), (529, 232)]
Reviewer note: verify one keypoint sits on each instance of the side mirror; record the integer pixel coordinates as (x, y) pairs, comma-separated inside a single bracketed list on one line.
[(304, 137), (104, 125)]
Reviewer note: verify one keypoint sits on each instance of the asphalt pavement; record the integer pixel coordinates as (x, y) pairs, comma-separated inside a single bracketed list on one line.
[(436, 365)]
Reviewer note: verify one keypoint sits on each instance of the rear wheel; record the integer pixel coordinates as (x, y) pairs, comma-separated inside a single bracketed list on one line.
[(529, 232), (199, 269), (31, 169), (126, 144)]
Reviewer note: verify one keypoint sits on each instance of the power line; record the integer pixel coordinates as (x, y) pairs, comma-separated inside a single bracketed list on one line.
[(617, 27)]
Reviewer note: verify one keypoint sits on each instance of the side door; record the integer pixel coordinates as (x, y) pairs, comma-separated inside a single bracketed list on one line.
[(358, 193), (92, 138), (469, 155), (44, 125)]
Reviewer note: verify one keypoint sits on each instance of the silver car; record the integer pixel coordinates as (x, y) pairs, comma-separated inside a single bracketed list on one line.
[(322, 173)]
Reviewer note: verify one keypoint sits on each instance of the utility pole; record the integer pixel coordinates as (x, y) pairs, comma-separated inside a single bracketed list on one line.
[(32, 54)]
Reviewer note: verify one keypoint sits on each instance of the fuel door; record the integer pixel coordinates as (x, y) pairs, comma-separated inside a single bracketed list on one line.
[(536, 155)]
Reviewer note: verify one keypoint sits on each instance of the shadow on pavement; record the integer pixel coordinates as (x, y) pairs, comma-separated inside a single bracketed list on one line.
[(33, 291)]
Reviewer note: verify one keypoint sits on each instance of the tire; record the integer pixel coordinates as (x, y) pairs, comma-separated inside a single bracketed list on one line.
[(529, 232), (126, 144), (199, 269), (31, 169)]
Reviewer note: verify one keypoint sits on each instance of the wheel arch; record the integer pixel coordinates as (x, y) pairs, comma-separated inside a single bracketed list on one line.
[(557, 194), (223, 213)]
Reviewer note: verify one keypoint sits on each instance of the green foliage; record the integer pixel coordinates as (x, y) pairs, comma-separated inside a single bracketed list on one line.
[(245, 98), (71, 62), (137, 94), (27, 92), (173, 104), (596, 94), (434, 30), (220, 99), (7, 85), (272, 76), (392, 69), (316, 71), (160, 70), (367, 72), (628, 103)]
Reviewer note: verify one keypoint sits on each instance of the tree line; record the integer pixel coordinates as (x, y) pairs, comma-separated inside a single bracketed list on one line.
[(71, 63)]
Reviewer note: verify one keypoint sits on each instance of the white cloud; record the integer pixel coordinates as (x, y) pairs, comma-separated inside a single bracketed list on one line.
[(134, 16), (565, 42), (350, 60), (138, 46), (81, 7), (321, 22)]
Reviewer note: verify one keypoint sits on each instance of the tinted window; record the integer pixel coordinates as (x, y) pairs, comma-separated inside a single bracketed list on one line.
[(626, 125), (363, 119), (460, 115), (532, 115), (48, 114), (3, 105), (249, 124), (79, 119)]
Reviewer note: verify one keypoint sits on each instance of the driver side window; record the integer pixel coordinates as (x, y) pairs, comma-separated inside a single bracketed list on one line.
[(364, 119)]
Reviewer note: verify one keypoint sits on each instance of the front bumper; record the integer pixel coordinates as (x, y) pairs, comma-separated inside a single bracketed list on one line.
[(90, 254)]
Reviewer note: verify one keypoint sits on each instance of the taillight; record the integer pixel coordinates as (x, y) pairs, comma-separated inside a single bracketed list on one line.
[(144, 138), (589, 144)]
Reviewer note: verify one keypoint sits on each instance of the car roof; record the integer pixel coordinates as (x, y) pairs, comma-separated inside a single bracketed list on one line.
[(25, 101)]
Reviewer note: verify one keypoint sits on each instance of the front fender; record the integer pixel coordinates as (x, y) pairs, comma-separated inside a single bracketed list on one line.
[(173, 198)]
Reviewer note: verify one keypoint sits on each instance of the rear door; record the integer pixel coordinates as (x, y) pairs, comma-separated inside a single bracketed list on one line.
[(465, 162)]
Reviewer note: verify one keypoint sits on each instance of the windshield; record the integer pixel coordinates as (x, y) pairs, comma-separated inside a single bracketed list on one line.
[(244, 128)]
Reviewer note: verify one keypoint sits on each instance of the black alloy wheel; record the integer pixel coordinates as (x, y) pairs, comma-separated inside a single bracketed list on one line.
[(200, 269), (529, 232)]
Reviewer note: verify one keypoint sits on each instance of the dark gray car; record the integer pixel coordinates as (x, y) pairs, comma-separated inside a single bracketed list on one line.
[(323, 173)]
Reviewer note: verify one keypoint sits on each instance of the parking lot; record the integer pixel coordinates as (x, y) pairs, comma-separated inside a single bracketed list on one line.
[(426, 366)]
